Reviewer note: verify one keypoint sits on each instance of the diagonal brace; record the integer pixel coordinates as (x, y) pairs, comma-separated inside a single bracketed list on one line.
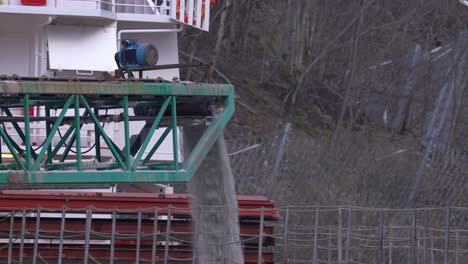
[(151, 132), (208, 139), (72, 139), (102, 132), (51, 135), (60, 143), (19, 131), (158, 143), (10, 146)]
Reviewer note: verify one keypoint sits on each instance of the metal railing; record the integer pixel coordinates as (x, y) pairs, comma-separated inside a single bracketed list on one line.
[(345, 235), (162, 235), (161, 8), (195, 13)]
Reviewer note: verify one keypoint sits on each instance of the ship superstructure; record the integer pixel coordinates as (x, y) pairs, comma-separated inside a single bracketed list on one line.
[(70, 102), (78, 38), (91, 100)]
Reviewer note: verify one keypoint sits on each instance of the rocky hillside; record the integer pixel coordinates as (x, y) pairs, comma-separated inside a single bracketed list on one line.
[(360, 102)]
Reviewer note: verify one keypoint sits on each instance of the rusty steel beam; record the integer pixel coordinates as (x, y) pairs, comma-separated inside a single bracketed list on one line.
[(180, 229), (105, 202)]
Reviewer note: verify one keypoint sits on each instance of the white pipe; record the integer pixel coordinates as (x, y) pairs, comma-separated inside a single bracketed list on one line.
[(136, 31), (38, 51), (244, 150), (49, 20), (464, 2)]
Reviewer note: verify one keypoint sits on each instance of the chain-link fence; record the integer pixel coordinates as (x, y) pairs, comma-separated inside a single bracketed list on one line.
[(403, 144), (366, 169), (317, 234)]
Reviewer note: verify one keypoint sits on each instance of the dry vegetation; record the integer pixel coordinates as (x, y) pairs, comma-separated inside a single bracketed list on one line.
[(378, 117)]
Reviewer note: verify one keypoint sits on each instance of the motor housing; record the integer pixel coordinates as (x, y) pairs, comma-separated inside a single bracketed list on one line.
[(134, 55)]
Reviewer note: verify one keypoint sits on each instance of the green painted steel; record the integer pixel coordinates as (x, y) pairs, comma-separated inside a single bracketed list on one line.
[(64, 138), (151, 132), (210, 136), (68, 147), (103, 134), (27, 132), (79, 166), (94, 177), (156, 146), (17, 148), (114, 88), (18, 130), (97, 139), (126, 164), (12, 149), (175, 139), (50, 136), (48, 131)]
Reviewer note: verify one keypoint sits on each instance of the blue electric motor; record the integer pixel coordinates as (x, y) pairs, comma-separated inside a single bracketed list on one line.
[(134, 55)]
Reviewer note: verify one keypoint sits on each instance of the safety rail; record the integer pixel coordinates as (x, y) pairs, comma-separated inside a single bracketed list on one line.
[(102, 229), (163, 232), (195, 13), (117, 6)]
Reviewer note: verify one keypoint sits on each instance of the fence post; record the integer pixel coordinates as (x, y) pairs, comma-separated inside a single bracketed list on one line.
[(359, 248), (260, 237), (36, 235), (154, 255), (432, 249), (413, 237), (293, 239), (89, 214), (339, 238), (317, 212), (330, 244), (425, 234), (137, 256), (10, 239), (226, 220), (114, 220), (447, 235), (196, 233), (23, 231), (390, 248), (285, 237), (62, 231), (381, 233), (330, 236), (457, 247), (348, 236), (168, 234)]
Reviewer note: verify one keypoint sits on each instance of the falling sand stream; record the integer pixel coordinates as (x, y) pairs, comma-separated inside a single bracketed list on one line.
[(216, 236)]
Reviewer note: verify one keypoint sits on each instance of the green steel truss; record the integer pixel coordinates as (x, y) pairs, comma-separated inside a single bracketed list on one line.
[(82, 102)]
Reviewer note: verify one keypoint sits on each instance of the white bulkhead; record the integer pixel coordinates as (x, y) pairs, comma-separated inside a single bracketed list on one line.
[(78, 39)]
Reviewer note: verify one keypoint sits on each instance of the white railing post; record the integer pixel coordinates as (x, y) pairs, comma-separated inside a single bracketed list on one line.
[(166, 7), (173, 9), (206, 21), (182, 11), (190, 12), (198, 13), (195, 13)]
